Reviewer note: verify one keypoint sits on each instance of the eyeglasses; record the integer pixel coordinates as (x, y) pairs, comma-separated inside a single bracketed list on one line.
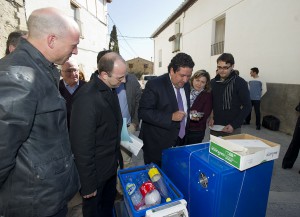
[(223, 68), (120, 79), (71, 70)]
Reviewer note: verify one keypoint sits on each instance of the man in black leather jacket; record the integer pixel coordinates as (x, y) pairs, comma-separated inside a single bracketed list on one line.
[(37, 171)]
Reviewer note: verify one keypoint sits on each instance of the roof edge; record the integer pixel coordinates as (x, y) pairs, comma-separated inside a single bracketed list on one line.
[(182, 8)]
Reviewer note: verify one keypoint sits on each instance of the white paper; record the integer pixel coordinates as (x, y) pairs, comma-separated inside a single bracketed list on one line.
[(134, 146), (217, 127), (249, 143), (129, 141)]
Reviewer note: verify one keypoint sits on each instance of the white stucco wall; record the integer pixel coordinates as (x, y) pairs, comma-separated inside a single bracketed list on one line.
[(258, 33), (163, 43), (95, 29)]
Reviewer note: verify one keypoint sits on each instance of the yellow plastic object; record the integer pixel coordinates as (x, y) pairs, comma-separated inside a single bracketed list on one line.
[(152, 173), (168, 199)]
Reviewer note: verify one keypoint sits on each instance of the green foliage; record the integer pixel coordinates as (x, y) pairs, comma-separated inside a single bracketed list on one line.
[(113, 42)]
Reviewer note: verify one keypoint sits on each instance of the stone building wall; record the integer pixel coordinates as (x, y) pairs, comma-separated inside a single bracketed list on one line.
[(280, 101), (140, 65), (12, 17)]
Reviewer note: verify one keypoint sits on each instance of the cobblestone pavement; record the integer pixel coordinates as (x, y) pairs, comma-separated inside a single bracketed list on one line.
[(284, 196)]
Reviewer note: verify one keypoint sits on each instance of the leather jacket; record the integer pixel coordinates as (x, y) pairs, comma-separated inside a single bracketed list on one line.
[(37, 171)]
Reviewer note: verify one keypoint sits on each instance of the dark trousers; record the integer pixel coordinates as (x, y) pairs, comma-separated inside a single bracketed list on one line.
[(180, 141), (292, 153), (102, 204), (256, 105), (62, 213), (194, 137), (149, 159)]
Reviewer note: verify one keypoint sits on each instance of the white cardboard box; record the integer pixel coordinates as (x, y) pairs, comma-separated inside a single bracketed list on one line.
[(243, 157)]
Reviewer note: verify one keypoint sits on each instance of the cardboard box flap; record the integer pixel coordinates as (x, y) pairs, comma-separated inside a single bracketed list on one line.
[(243, 156), (248, 136), (228, 145)]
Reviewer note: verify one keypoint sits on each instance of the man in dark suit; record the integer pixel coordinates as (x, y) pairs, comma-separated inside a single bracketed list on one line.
[(95, 132), (163, 108), (70, 84)]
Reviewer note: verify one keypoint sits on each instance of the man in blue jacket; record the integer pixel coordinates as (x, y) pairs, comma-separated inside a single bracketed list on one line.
[(37, 172)]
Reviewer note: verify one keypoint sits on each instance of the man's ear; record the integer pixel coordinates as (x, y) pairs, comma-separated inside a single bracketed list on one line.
[(51, 40), (172, 71), (11, 48), (103, 75)]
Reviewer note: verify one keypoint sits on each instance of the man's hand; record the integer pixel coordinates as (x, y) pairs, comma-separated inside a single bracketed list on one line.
[(178, 116), (131, 128), (228, 129), (211, 122), (90, 195)]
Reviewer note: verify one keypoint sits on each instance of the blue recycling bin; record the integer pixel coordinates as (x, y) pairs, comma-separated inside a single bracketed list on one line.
[(212, 187), (136, 172)]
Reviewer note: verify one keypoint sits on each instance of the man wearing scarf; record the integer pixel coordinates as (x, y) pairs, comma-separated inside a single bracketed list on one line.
[(231, 98)]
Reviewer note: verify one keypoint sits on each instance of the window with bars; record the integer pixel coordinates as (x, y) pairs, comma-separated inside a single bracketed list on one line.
[(160, 58), (217, 46), (176, 42), (76, 15)]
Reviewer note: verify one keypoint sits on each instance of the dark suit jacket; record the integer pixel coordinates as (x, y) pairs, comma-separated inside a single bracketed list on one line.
[(157, 104), (68, 97), (133, 95), (95, 133)]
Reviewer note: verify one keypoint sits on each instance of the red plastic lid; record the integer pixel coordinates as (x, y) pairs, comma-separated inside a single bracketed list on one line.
[(146, 187)]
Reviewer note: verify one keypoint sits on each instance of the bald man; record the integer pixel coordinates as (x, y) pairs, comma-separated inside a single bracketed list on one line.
[(70, 84), (95, 134), (37, 172)]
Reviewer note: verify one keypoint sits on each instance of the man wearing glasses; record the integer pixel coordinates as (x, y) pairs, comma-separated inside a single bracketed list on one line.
[(231, 98), (95, 133), (70, 84)]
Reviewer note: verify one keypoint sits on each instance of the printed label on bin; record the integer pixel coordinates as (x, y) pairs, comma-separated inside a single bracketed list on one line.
[(130, 188), (225, 154)]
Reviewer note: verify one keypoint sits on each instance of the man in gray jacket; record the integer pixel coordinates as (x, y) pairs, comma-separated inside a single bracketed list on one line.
[(37, 171)]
